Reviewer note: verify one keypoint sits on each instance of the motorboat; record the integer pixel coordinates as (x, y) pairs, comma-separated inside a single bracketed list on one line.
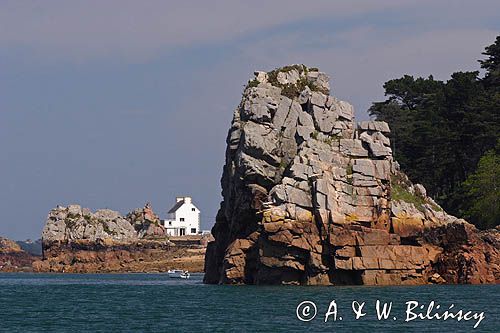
[(178, 274)]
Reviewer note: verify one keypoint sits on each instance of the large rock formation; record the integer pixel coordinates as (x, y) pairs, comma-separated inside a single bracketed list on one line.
[(13, 258), (311, 197), (75, 239)]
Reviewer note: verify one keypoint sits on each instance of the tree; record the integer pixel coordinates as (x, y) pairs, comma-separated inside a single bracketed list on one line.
[(440, 130), (483, 191), (492, 64)]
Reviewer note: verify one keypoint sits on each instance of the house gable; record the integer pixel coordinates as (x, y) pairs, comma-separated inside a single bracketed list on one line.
[(184, 218)]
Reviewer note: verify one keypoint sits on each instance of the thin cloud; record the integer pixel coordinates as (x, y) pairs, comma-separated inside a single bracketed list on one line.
[(137, 31), (360, 60)]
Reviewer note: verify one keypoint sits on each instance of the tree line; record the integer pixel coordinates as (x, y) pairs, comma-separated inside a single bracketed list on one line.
[(445, 135)]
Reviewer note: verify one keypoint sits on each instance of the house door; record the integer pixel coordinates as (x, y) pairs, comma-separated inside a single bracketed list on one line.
[(182, 231)]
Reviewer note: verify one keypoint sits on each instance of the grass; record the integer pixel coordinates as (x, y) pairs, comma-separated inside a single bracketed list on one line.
[(436, 207), (400, 193)]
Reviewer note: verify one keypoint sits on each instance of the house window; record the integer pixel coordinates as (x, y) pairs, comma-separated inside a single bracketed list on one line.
[(169, 222), (181, 219), (193, 230), (193, 209)]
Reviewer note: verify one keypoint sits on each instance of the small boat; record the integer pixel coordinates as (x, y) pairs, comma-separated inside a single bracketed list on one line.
[(178, 274)]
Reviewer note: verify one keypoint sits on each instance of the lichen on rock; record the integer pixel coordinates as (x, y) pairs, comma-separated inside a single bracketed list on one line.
[(311, 197)]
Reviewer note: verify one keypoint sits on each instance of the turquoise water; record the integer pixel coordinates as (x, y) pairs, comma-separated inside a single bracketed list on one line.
[(155, 303)]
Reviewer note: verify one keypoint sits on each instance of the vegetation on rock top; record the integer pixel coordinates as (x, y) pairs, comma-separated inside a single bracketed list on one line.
[(291, 90)]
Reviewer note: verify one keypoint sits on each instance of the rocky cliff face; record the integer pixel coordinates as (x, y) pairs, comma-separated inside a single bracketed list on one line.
[(75, 239), (311, 197), (13, 258)]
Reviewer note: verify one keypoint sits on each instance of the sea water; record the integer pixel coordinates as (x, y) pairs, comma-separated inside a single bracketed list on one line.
[(157, 303)]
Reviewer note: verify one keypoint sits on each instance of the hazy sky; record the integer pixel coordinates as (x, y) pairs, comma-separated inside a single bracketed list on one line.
[(115, 103)]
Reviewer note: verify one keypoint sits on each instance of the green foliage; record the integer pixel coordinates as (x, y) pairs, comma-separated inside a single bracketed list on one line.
[(401, 193), (106, 228), (72, 216), (314, 135), (253, 83), (483, 190), (293, 90), (492, 64), (440, 129), (349, 170), (283, 164), (273, 75)]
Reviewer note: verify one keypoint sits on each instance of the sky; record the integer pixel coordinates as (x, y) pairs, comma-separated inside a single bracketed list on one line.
[(110, 104)]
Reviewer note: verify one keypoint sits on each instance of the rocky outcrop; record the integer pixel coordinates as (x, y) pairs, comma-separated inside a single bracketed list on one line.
[(311, 197), (146, 223), (75, 239), (468, 256), (13, 258), (73, 223)]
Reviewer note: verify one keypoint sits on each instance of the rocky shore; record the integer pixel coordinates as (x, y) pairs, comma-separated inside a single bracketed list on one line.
[(78, 240), (13, 258), (312, 197)]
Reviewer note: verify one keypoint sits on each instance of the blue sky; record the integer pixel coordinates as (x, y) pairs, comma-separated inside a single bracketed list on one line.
[(110, 104)]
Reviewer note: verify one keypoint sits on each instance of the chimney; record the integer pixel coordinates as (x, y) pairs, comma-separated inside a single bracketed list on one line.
[(187, 200), (177, 199)]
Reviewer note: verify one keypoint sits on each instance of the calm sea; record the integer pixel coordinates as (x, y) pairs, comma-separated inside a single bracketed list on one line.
[(155, 303)]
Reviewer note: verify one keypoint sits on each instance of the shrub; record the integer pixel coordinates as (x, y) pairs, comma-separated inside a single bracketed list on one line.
[(252, 83), (293, 90)]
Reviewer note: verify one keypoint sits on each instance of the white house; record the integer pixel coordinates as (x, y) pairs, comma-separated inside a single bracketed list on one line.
[(183, 218)]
